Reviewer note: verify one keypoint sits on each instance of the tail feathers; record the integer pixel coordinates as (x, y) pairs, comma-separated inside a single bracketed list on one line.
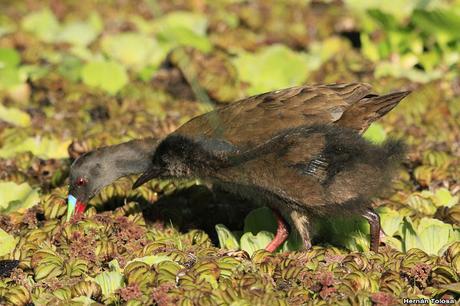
[(360, 115), (383, 104)]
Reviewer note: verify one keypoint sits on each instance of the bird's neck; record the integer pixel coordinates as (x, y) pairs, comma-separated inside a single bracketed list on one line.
[(132, 157)]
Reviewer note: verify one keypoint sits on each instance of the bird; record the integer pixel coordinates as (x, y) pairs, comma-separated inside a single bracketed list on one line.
[(246, 134)]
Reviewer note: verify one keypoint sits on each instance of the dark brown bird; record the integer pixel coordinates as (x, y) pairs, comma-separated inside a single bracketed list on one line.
[(297, 150)]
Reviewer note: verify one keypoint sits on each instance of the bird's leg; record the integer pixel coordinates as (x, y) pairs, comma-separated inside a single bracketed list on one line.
[(282, 232), (302, 225), (374, 221)]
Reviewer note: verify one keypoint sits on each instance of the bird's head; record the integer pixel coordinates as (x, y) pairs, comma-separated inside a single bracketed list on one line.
[(85, 180), (96, 169)]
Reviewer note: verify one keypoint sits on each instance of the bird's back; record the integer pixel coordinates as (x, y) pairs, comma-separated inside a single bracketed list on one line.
[(323, 169), (258, 118)]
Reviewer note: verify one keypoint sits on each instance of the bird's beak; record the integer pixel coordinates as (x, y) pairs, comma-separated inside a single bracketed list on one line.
[(74, 206)]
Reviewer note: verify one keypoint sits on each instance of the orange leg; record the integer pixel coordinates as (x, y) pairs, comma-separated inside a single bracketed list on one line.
[(282, 233)]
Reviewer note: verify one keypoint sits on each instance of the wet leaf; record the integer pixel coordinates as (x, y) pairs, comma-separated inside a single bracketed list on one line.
[(226, 239), (251, 243), (107, 75), (14, 197)]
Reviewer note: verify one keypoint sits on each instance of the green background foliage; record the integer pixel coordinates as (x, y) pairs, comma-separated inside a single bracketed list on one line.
[(77, 75)]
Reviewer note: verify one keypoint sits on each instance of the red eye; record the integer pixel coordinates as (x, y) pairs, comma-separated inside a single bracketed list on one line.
[(81, 181)]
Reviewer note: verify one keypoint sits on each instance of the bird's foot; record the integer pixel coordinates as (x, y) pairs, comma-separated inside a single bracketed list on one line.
[(282, 233)]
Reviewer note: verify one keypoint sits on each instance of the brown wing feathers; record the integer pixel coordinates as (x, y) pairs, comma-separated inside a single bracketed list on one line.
[(258, 118)]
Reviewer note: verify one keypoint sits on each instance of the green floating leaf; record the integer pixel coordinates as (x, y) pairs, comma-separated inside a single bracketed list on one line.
[(43, 147), (348, 232), (390, 220), (179, 28), (170, 38), (394, 243), (422, 202), (134, 50), (272, 68), (251, 243), (375, 133), (7, 242), (357, 241), (197, 23), (443, 197), (260, 219), (77, 33), (9, 58), (109, 282), (14, 116), (226, 238), (9, 77), (14, 197), (431, 235), (43, 24), (107, 75)]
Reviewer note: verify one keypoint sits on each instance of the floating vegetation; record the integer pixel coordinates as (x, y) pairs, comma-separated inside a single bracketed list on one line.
[(75, 76)]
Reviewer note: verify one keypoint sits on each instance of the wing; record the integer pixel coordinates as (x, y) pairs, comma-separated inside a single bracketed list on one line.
[(258, 118), (290, 165)]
